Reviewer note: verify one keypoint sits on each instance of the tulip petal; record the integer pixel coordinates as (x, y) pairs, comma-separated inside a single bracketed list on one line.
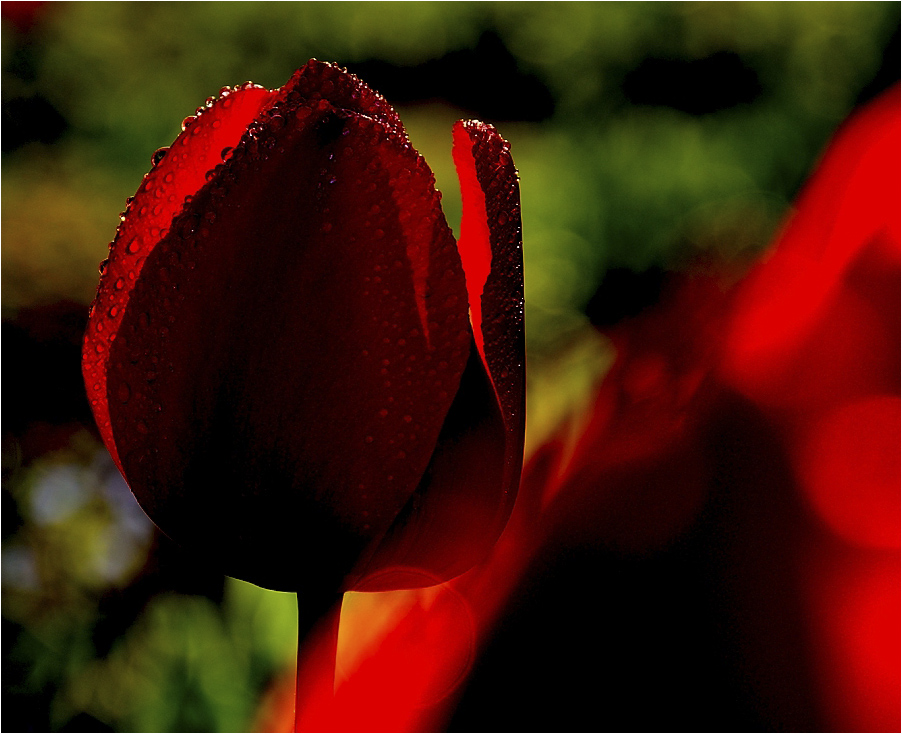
[(320, 277), (177, 174), (468, 491), (491, 249), (490, 188), (850, 202), (461, 505), (317, 80)]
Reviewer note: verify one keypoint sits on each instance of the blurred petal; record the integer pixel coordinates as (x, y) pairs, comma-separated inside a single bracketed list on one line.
[(851, 201), (853, 607), (850, 470), (639, 473)]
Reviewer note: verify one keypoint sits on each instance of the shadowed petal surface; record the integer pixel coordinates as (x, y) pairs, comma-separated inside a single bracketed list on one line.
[(491, 224), (468, 491), (292, 346), (177, 174)]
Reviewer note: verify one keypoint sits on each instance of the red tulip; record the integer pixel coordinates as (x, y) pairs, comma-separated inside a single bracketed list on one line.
[(280, 358)]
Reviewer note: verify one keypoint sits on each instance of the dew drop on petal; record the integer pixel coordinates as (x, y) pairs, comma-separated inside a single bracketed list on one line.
[(123, 392)]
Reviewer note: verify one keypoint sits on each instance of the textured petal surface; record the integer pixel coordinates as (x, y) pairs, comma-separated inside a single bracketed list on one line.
[(462, 503), (317, 80), (466, 496), (177, 174), (491, 225), (292, 346)]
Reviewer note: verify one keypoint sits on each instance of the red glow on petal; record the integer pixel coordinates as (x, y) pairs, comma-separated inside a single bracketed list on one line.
[(473, 244), (314, 680), (468, 490), (850, 471), (404, 655), (427, 652), (491, 185), (852, 200), (854, 610), (179, 173), (293, 270), (462, 502), (400, 655)]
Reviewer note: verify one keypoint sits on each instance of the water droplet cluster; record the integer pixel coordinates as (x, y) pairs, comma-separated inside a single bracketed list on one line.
[(176, 173)]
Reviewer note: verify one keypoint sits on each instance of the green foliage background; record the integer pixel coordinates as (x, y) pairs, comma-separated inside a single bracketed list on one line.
[(605, 183)]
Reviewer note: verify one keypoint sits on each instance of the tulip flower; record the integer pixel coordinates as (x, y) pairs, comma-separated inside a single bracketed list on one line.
[(299, 372)]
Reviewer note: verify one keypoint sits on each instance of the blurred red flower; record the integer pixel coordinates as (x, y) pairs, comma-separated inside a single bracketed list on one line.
[(814, 342), (300, 373)]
